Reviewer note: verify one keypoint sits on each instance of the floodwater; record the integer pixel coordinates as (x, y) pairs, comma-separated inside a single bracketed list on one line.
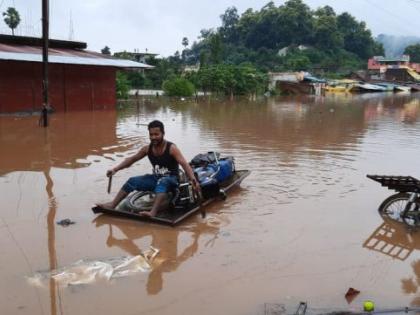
[(302, 227)]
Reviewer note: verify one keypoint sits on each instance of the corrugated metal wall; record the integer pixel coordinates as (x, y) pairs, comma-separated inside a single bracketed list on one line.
[(71, 87)]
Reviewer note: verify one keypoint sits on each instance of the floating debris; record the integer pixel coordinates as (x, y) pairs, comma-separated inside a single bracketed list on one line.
[(351, 294), (86, 272), (65, 222)]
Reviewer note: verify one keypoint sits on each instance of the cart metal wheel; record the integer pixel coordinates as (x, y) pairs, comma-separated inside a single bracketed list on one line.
[(394, 206)]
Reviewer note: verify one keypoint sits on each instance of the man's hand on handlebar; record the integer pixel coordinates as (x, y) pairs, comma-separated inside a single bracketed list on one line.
[(196, 187)]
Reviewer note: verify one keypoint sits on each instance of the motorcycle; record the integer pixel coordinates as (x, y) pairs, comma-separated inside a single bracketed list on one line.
[(216, 175)]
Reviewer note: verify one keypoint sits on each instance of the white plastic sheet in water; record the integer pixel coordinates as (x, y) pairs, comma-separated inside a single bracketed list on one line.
[(86, 272)]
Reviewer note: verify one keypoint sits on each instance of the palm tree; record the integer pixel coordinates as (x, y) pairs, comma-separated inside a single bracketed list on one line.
[(12, 18)]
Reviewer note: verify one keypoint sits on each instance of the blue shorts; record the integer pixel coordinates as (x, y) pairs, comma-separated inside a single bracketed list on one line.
[(158, 184)]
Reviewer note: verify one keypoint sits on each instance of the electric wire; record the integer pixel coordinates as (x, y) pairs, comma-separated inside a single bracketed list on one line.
[(396, 17), (411, 2)]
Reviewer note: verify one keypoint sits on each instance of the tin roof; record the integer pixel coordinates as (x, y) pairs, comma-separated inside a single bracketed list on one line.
[(37, 41), (403, 58), (65, 56)]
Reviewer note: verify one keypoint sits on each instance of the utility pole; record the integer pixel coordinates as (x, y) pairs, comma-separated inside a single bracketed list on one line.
[(45, 39)]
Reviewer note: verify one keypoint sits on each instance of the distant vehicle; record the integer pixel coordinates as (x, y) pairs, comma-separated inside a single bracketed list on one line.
[(340, 86)]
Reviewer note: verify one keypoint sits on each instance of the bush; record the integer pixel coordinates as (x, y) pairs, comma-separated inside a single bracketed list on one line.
[(177, 86), (122, 85)]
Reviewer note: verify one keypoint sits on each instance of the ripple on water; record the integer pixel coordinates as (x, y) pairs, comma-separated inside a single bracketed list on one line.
[(308, 159)]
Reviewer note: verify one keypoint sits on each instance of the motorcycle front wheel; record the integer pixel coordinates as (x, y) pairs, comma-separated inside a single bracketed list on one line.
[(140, 201), (394, 206)]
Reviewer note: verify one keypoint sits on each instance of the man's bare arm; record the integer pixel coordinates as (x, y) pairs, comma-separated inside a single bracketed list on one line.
[(176, 153), (129, 161)]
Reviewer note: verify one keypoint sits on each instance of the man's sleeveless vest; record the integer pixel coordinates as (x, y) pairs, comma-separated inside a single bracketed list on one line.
[(165, 164)]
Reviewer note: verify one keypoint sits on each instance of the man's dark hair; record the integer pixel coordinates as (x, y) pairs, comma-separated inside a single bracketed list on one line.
[(156, 124)]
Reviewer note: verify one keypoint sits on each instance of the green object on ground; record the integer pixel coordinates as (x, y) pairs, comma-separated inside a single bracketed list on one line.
[(368, 306)]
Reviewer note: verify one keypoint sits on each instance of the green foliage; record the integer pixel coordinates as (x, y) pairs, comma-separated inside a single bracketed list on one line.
[(256, 36), (326, 33), (234, 57), (136, 79), (229, 79), (122, 85), (229, 22), (216, 48), (177, 86), (378, 49), (185, 42), (153, 78), (357, 39), (414, 52), (106, 50), (297, 62), (11, 18)]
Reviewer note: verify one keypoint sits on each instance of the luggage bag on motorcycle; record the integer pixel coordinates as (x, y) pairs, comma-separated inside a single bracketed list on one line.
[(227, 168)]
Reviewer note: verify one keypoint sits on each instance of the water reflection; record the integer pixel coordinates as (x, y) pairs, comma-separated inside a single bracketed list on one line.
[(393, 239), (404, 109), (314, 148), (284, 127), (166, 239), (67, 143), (52, 254), (411, 285)]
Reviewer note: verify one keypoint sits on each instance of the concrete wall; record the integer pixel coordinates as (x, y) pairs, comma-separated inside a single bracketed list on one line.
[(71, 87)]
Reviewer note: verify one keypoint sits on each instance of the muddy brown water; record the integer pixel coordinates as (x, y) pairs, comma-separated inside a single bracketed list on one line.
[(302, 227)]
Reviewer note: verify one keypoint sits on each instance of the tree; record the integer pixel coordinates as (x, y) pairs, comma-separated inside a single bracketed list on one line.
[(230, 80), (122, 85), (326, 33), (11, 18), (178, 86), (216, 48), (185, 42), (297, 62), (203, 58), (106, 50), (267, 29), (229, 21), (315, 39), (378, 49), (357, 39), (184, 54), (297, 21), (414, 52)]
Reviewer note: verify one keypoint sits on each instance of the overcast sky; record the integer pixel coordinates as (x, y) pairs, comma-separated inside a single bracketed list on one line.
[(160, 25)]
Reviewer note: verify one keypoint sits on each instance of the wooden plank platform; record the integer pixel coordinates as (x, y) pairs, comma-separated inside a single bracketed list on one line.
[(177, 214)]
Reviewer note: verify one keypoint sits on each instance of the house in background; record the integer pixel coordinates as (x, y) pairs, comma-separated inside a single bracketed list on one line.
[(137, 55), (400, 69), (78, 79)]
